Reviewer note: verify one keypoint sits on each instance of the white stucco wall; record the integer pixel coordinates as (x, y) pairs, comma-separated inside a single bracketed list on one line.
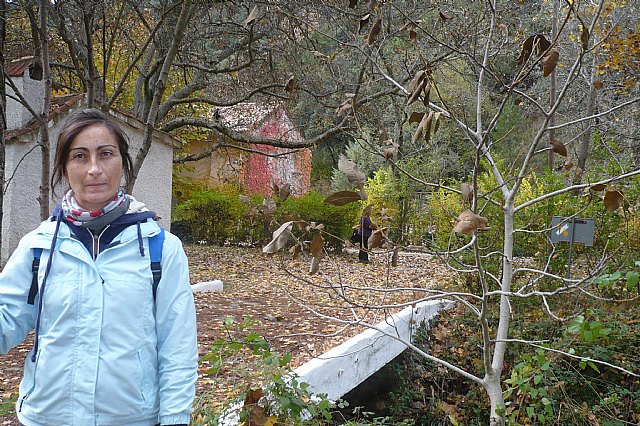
[(31, 90), (153, 185), (23, 165)]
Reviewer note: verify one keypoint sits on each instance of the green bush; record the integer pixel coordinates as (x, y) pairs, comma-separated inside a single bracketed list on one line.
[(337, 220), (262, 381), (210, 216)]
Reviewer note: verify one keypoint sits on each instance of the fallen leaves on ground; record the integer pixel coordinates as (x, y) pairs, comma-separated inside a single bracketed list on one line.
[(278, 294)]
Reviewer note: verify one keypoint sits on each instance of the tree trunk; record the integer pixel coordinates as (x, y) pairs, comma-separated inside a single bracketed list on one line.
[(90, 70), (553, 82), (152, 117), (493, 377), (496, 398), (585, 139), (44, 116)]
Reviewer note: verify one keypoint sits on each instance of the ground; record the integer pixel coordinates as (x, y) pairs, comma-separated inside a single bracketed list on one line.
[(265, 289)]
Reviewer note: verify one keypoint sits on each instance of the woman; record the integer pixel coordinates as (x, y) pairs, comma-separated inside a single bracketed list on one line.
[(107, 350), (365, 229)]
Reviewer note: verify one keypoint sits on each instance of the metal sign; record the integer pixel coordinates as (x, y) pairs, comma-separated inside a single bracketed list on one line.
[(572, 230)]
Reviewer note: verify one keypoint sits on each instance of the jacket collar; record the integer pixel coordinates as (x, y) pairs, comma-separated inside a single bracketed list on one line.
[(44, 233)]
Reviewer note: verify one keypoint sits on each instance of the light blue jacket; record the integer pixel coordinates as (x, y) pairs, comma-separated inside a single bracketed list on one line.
[(107, 353)]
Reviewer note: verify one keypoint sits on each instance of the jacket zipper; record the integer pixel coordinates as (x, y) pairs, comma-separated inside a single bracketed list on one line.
[(24, 398), (26, 395), (95, 246)]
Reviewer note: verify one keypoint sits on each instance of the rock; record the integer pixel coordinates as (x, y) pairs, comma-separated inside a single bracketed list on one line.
[(215, 285)]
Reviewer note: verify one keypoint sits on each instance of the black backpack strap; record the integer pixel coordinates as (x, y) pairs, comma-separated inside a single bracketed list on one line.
[(155, 254), (35, 265)]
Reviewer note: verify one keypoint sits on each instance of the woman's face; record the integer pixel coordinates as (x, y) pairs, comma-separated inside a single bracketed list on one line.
[(94, 167)]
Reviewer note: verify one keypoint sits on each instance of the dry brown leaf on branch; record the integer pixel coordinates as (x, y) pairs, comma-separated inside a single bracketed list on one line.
[(342, 198), (363, 22), (279, 239), (436, 121), (256, 415), (416, 117), (274, 187), (253, 15), (315, 226), (295, 251), (355, 177), (284, 192), (558, 147), (467, 192), (383, 137), (390, 150), (444, 16), (375, 31), (566, 166), (291, 85), (598, 84), (363, 194), (413, 35), (537, 42), (416, 85), (426, 92), (317, 244), (584, 37), (252, 214), (384, 217), (549, 62), (389, 153), (427, 128), (468, 223), (269, 207), (315, 265), (598, 187), (377, 238), (295, 218), (424, 128), (345, 108), (613, 200)]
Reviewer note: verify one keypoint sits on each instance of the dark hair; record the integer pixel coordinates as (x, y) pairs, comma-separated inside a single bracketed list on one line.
[(75, 124)]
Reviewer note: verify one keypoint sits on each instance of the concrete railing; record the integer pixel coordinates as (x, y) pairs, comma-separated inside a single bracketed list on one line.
[(344, 367)]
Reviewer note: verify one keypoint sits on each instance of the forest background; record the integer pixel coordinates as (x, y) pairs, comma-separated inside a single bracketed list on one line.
[(467, 126)]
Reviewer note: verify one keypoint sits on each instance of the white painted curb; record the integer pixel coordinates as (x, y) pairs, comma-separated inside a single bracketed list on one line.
[(344, 367), (215, 285)]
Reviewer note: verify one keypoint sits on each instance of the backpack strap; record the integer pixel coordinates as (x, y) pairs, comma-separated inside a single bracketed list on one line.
[(155, 253), (35, 265)]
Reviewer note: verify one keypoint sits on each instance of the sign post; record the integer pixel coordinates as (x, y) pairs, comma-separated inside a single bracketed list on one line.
[(572, 230)]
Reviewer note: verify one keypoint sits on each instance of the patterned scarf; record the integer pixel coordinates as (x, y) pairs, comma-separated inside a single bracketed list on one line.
[(94, 219)]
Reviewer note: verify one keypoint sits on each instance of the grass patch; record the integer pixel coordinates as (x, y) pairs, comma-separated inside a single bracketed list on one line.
[(7, 408)]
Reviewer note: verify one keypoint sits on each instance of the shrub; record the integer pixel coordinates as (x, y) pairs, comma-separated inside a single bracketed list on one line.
[(210, 216), (337, 220), (264, 390)]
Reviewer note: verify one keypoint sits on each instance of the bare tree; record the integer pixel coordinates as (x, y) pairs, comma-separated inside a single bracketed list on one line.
[(473, 46)]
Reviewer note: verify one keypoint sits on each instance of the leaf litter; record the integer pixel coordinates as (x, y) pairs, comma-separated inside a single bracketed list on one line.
[(258, 286)]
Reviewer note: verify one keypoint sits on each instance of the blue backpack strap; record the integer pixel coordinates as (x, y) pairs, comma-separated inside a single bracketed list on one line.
[(35, 265), (155, 254)]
